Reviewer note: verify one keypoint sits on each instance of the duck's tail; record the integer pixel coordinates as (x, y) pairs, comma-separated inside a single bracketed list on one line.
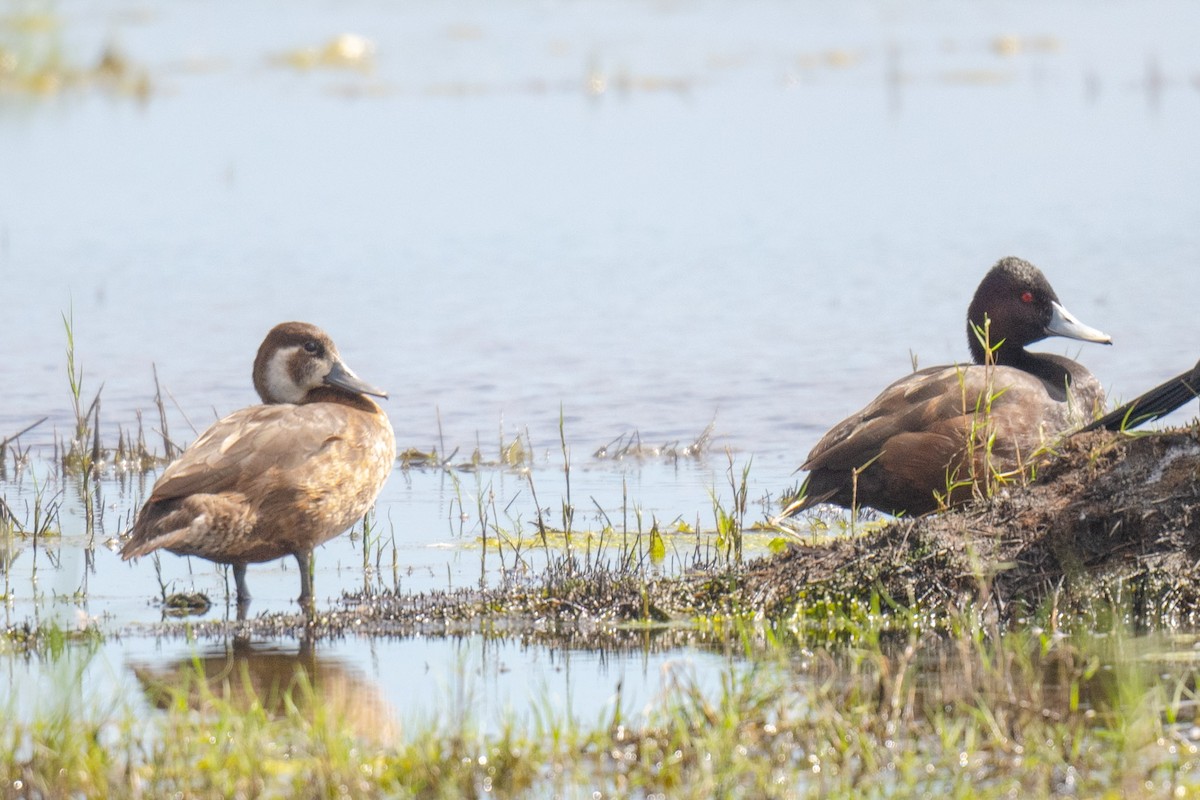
[(1158, 402)]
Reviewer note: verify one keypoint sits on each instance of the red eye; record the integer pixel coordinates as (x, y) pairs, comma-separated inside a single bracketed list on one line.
[(1027, 297)]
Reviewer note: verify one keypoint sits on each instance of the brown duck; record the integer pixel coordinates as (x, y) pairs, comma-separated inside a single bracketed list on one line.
[(276, 479), (923, 442)]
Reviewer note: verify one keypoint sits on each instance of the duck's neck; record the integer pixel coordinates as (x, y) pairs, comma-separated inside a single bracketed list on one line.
[(328, 394), (989, 347), (1049, 369)]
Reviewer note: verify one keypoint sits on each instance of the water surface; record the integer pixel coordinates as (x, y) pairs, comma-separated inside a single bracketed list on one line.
[(635, 217)]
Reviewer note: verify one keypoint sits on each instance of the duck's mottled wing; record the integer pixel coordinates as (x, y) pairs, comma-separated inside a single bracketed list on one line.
[(247, 443), (910, 404)]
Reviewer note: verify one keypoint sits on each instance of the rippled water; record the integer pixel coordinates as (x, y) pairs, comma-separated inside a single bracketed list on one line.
[(643, 217)]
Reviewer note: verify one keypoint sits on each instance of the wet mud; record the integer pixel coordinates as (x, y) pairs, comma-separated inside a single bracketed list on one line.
[(1110, 526)]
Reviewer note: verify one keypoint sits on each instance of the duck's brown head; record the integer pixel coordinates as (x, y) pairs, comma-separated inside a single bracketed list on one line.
[(1022, 308), (299, 363)]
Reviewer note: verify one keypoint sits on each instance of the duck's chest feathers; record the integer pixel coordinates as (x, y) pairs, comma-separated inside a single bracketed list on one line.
[(335, 484)]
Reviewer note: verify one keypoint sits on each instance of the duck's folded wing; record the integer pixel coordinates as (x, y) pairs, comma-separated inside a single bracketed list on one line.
[(246, 444), (921, 402)]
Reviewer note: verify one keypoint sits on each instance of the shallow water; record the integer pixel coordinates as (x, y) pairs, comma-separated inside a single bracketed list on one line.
[(636, 217)]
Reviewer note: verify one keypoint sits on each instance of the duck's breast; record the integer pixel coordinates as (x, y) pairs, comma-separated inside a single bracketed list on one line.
[(314, 500)]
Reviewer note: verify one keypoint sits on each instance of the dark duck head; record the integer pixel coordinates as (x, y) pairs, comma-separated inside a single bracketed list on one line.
[(1016, 306)]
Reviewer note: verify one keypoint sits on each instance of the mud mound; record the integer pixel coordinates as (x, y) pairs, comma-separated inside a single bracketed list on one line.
[(1114, 519)]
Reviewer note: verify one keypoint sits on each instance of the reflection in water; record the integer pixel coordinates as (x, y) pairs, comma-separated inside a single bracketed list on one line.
[(244, 676)]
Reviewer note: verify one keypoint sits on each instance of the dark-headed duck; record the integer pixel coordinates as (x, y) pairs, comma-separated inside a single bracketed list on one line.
[(930, 438), (276, 479)]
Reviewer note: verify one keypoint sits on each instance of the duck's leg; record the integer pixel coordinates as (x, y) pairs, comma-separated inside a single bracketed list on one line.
[(239, 579), (243, 594), (304, 559)]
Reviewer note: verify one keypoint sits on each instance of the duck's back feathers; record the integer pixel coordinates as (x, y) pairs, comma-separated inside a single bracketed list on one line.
[(243, 446)]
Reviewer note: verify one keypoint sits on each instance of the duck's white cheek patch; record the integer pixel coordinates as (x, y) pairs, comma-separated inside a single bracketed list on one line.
[(280, 383)]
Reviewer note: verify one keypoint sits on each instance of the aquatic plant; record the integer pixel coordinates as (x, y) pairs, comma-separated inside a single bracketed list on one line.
[(730, 523)]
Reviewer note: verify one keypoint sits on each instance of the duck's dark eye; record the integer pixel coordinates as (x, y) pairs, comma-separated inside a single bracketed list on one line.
[(1026, 297), (312, 347)]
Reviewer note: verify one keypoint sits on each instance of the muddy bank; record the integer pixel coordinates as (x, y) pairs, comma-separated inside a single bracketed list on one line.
[(1112, 525)]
